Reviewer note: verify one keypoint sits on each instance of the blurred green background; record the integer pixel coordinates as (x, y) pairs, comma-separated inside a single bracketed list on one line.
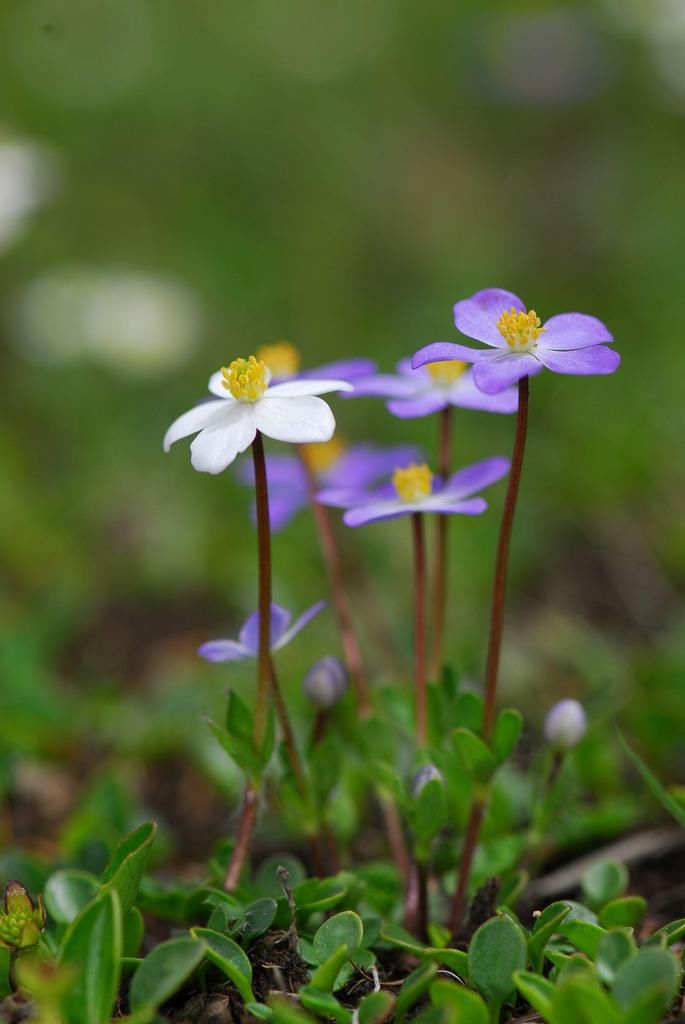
[(181, 183)]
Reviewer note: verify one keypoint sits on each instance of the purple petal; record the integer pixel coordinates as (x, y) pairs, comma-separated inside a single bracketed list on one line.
[(500, 371), (374, 511), (468, 507), (283, 506), (223, 650), (298, 625), (439, 351), (474, 478), (338, 497), (382, 385), (343, 369), (573, 330), (466, 395), (432, 400), (361, 465), (249, 634), (583, 361), (477, 317)]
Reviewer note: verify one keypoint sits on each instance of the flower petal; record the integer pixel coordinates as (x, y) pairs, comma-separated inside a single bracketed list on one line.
[(439, 351), (583, 361), (467, 507), (466, 395), (573, 330), (249, 634), (343, 369), (374, 511), (477, 317), (474, 478), (217, 445), (341, 497), (299, 625), (298, 420), (363, 464), (384, 385), (432, 400), (216, 385), (500, 371), (305, 386), (223, 650), (194, 420)]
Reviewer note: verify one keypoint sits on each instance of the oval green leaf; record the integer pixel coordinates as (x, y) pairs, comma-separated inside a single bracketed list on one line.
[(164, 971), (92, 947), (229, 958)]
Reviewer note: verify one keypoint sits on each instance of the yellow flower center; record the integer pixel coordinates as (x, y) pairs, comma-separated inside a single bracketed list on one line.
[(447, 372), (520, 330), (413, 482), (282, 358), (322, 456), (246, 379)]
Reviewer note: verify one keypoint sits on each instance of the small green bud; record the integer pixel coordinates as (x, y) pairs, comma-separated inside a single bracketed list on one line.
[(21, 923)]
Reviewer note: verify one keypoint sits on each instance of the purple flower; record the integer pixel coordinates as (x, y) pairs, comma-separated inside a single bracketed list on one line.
[(520, 345), (415, 489), (340, 469), (431, 388), (283, 360), (565, 724), (247, 644), (326, 682)]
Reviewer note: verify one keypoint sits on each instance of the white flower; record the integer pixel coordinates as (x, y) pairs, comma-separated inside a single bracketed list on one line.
[(565, 724), (246, 403)]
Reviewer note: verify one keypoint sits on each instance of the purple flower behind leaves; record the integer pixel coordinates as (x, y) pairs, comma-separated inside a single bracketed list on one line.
[(247, 644), (520, 344)]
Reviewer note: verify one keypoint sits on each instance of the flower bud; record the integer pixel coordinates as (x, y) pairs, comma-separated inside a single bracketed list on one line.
[(423, 776), (326, 682), (21, 923), (565, 725)]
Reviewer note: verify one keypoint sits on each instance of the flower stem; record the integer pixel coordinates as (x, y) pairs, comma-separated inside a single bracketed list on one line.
[(494, 647), (334, 566), (265, 675), (287, 731), (439, 597), (420, 627)]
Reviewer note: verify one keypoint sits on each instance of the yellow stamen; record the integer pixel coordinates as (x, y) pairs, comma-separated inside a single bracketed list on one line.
[(520, 330), (246, 379), (446, 372), (413, 482), (320, 457), (282, 358)]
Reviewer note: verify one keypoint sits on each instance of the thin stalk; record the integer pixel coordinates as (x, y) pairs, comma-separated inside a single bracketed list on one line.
[(334, 567), (439, 596), (494, 646), (287, 731), (420, 627), (264, 669), (393, 827), (416, 904)]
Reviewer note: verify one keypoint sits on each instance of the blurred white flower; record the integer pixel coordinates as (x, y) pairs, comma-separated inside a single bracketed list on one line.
[(130, 321), (565, 725), (28, 179)]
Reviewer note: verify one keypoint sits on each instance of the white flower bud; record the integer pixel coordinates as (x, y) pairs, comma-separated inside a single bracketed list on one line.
[(326, 682), (565, 725), (423, 776)]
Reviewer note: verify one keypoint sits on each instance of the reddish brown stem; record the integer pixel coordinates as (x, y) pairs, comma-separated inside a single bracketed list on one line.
[(393, 827), (439, 596), (248, 817), (420, 628), (331, 554), (416, 906), (494, 646)]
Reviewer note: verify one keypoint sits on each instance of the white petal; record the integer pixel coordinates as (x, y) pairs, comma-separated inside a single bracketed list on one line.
[(216, 386), (298, 420), (298, 388), (217, 446), (193, 420)]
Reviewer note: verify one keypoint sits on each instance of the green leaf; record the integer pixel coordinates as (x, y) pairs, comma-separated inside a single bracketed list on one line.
[(325, 976), (92, 946), (604, 881), (401, 938), (468, 1006), (345, 929), (125, 870), (506, 733), (164, 970), (582, 1001), (615, 947), (229, 958), (315, 894), (323, 1004), (547, 924), (256, 918), (648, 980), (376, 1007), (456, 959), (584, 936), (413, 989), (285, 1012), (238, 718), (266, 876), (429, 812), (239, 750), (67, 892), (478, 760), (672, 932), (674, 808), (259, 1010), (5, 983), (133, 928), (538, 991), (469, 710), (626, 912), (496, 950)]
